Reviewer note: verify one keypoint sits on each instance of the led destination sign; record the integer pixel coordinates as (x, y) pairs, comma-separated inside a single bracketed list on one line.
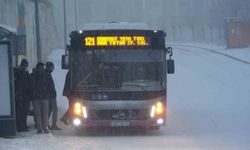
[(113, 41)]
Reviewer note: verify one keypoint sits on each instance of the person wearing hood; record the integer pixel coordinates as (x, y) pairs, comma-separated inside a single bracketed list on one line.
[(52, 98)]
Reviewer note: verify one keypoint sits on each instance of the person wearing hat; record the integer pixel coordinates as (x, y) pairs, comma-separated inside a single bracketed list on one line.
[(52, 98)]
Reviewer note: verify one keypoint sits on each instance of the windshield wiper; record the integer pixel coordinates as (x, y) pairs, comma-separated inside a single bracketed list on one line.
[(86, 78)]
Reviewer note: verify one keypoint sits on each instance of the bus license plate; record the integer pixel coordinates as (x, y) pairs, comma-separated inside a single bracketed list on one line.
[(119, 123)]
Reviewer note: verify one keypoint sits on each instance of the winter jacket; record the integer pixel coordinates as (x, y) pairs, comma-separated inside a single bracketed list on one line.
[(66, 89), (52, 89), (41, 85), (21, 84), (31, 85)]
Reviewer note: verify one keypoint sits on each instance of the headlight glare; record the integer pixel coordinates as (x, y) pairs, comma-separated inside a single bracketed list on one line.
[(152, 113), (160, 121), (159, 108), (156, 109), (85, 114), (78, 109), (77, 122)]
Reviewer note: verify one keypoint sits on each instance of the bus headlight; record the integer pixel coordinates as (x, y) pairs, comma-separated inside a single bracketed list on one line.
[(77, 122), (159, 108), (160, 121), (156, 109), (78, 109), (152, 113), (84, 112)]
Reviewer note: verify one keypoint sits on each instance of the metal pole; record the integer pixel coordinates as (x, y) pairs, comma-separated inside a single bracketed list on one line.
[(76, 11), (205, 20), (65, 26), (38, 40), (144, 10)]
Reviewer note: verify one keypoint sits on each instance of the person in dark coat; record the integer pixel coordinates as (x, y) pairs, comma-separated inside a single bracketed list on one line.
[(31, 79), (21, 76), (68, 93), (52, 98), (40, 96)]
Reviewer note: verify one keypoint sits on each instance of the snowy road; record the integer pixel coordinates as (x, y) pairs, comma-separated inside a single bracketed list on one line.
[(208, 108), (209, 100)]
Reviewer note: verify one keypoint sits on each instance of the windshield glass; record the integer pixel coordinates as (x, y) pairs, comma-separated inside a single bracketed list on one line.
[(129, 70)]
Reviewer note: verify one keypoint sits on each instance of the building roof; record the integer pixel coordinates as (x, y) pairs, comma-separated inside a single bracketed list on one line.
[(6, 31), (8, 28)]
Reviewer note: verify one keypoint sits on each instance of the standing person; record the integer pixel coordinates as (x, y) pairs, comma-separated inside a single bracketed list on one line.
[(21, 76), (31, 80), (40, 97), (52, 98), (67, 92)]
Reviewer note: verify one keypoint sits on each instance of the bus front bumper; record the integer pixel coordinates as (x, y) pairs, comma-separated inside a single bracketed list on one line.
[(77, 122)]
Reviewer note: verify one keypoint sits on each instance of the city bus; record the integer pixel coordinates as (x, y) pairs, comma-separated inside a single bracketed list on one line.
[(118, 76)]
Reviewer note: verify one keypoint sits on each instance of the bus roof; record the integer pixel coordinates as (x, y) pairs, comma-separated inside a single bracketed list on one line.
[(114, 25)]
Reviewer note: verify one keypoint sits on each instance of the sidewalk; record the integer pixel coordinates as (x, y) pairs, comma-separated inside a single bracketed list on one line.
[(238, 54)]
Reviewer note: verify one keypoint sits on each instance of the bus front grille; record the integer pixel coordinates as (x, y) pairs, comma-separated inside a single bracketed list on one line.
[(119, 114)]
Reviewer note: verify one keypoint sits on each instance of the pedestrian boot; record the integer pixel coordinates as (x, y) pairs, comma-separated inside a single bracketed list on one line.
[(39, 131), (64, 121), (46, 131), (55, 127)]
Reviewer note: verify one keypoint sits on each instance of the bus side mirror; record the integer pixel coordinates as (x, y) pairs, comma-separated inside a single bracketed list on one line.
[(65, 62), (169, 51), (170, 62), (170, 66)]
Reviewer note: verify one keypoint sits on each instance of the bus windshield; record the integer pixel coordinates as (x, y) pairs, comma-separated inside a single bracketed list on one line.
[(119, 69)]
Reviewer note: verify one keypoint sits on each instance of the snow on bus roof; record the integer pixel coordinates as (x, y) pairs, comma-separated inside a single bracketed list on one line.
[(113, 25)]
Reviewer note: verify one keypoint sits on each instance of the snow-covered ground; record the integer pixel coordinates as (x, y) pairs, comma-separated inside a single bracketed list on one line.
[(208, 108), (239, 53)]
